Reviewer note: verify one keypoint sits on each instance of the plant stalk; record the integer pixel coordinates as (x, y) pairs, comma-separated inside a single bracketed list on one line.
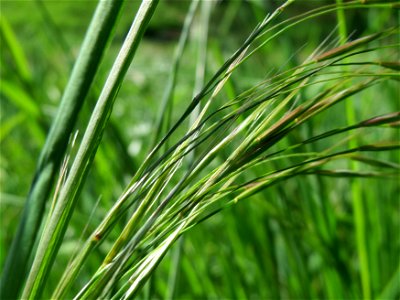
[(57, 223), (83, 73)]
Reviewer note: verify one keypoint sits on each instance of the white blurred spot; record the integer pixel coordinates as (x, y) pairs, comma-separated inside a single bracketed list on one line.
[(134, 147)]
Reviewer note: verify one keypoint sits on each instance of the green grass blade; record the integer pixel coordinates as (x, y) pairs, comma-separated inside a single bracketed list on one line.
[(166, 100), (93, 47), (360, 223), (392, 289), (19, 58), (56, 225), (20, 99)]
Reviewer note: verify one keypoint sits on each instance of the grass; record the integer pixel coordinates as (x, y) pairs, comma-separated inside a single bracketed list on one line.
[(236, 129), (57, 140)]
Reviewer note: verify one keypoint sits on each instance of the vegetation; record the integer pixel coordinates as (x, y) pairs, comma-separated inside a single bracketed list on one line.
[(213, 150)]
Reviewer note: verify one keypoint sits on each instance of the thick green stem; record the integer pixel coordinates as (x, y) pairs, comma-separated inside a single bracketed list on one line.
[(93, 47), (356, 191), (56, 225)]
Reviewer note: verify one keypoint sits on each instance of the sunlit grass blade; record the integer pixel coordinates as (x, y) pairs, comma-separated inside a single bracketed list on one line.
[(55, 226)]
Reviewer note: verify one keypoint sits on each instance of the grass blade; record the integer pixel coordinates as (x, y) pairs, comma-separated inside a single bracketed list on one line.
[(56, 225), (51, 156)]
